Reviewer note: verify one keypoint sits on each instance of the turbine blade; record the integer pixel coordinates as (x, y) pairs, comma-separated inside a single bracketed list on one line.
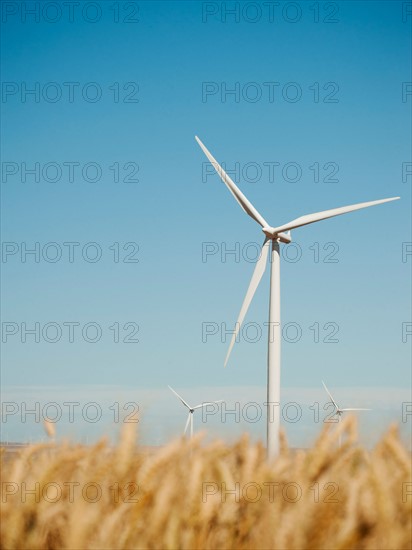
[(187, 424), (178, 396), (207, 403), (245, 204), (356, 409), (330, 395), (318, 216), (254, 283)]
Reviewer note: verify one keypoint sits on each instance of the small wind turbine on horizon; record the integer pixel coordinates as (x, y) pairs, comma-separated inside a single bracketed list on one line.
[(273, 236), (338, 410), (191, 410)]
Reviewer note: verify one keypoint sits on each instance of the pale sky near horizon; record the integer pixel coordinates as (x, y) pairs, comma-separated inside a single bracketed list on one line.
[(142, 257)]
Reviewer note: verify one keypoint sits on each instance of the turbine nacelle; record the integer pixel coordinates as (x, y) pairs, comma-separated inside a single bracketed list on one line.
[(272, 234)]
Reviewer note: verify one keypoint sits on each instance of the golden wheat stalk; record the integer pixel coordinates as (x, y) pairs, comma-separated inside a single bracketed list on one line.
[(194, 496)]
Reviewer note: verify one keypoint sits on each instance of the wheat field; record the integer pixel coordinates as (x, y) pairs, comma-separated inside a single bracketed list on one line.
[(189, 495)]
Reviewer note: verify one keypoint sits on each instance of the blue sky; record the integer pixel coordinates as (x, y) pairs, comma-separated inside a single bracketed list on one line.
[(337, 107)]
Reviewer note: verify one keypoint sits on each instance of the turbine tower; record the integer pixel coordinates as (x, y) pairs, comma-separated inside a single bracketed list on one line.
[(273, 236), (338, 410), (191, 410)]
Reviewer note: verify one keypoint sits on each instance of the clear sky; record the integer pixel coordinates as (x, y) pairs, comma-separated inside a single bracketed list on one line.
[(309, 104)]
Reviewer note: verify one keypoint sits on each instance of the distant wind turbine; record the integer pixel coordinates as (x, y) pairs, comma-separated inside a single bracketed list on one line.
[(191, 410), (273, 236), (338, 410)]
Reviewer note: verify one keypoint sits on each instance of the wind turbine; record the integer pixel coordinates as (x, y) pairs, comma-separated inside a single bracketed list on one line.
[(191, 410), (273, 236), (338, 410)]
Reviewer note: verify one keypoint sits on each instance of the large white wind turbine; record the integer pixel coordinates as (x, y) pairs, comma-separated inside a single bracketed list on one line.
[(191, 410), (273, 236), (338, 410)]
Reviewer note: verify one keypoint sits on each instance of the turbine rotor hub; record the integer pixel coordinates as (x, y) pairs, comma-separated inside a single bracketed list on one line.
[(272, 234)]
